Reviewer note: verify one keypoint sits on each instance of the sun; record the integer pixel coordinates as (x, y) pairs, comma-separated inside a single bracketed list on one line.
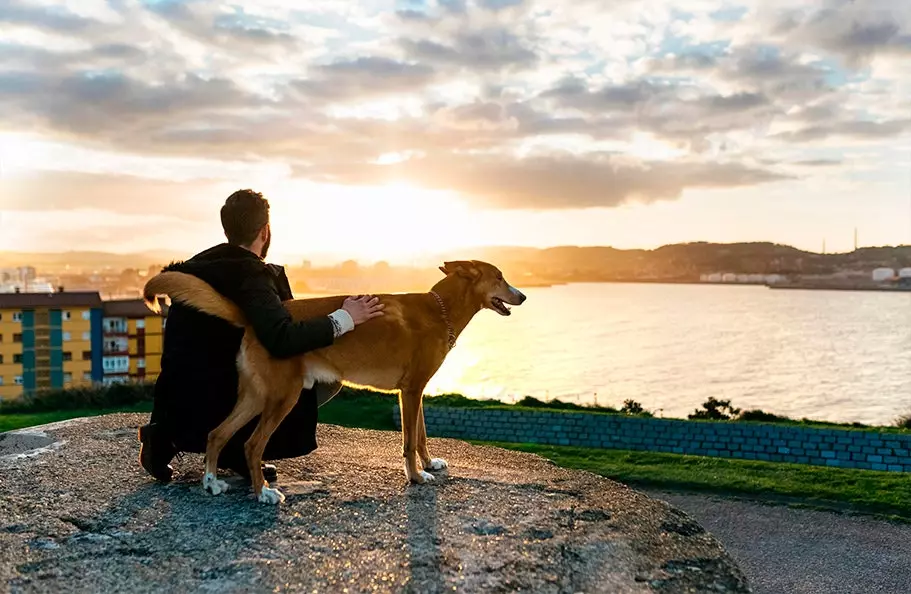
[(396, 221)]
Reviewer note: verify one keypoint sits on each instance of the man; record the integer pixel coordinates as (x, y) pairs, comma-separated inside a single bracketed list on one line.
[(197, 387)]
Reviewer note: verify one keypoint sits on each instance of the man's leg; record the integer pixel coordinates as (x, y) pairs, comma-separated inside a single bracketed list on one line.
[(156, 448)]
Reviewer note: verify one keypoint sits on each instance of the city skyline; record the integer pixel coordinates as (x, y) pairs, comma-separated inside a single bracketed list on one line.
[(385, 130)]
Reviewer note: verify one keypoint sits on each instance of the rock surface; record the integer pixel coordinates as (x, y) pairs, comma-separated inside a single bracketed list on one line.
[(78, 514)]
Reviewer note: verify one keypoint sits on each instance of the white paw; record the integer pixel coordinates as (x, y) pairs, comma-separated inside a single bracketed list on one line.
[(214, 486), (438, 464), (271, 496), (427, 476)]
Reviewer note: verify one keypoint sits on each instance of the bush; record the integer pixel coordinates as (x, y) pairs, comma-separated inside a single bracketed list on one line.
[(761, 415), (717, 410), (96, 397), (634, 409), (904, 421)]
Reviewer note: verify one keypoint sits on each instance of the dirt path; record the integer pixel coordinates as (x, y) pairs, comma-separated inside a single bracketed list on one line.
[(796, 551)]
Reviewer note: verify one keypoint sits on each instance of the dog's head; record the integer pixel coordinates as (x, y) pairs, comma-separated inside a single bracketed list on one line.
[(488, 284)]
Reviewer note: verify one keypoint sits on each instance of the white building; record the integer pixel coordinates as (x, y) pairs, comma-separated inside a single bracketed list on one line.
[(883, 274), (904, 273)]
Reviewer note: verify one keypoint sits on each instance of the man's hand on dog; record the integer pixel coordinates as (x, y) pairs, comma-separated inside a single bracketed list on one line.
[(363, 308)]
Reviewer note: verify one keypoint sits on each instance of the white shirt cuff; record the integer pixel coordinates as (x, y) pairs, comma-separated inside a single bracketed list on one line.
[(341, 322)]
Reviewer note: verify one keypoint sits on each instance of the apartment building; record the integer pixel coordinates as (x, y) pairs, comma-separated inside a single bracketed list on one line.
[(132, 341), (47, 341)]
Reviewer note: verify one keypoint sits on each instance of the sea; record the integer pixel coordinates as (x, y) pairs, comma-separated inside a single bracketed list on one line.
[(825, 355)]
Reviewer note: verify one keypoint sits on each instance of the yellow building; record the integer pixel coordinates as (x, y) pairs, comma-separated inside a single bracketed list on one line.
[(47, 341), (133, 338)]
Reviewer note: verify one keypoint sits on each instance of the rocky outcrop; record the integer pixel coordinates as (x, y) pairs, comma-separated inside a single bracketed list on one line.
[(77, 514)]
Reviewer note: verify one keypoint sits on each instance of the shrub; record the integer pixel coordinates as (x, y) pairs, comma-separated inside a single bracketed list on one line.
[(634, 409), (761, 415), (904, 421), (75, 398), (718, 410)]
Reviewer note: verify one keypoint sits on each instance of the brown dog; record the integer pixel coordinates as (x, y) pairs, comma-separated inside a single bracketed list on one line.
[(398, 352)]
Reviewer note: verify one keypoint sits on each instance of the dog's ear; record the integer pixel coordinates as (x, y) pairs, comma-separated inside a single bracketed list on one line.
[(462, 268)]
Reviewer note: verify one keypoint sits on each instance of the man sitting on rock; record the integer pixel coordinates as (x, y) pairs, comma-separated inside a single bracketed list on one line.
[(197, 387)]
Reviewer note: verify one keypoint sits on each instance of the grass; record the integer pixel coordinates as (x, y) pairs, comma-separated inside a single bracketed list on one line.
[(879, 493), (11, 421)]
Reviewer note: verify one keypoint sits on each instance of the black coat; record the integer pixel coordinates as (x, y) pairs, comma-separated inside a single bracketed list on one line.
[(197, 387)]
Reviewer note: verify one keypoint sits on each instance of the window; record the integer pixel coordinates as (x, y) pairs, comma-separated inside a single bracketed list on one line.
[(1, 338), (87, 376), (17, 316), (67, 356), (17, 359), (141, 363), (66, 337), (1, 380), (67, 378), (17, 337), (116, 364), (86, 355), (87, 315), (1, 359), (17, 380), (140, 324), (86, 336), (67, 316)]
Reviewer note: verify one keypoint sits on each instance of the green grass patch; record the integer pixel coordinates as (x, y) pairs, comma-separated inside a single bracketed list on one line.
[(11, 421), (880, 493)]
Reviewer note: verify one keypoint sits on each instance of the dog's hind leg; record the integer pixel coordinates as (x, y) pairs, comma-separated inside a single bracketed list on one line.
[(249, 404), (274, 413), (428, 462)]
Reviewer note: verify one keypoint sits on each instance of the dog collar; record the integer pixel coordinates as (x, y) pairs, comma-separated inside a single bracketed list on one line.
[(452, 336)]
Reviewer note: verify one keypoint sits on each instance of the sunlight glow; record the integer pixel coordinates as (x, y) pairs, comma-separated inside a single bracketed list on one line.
[(395, 221)]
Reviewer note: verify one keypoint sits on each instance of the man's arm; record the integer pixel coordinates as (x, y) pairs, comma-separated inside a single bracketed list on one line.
[(274, 326)]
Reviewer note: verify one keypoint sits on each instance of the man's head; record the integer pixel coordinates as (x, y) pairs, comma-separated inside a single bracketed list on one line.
[(245, 219)]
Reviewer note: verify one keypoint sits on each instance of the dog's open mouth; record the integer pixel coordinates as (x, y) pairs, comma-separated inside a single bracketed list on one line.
[(499, 306)]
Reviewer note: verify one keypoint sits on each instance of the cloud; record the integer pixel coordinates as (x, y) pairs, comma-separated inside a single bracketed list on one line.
[(560, 181), (365, 77), (513, 104), (54, 19), (855, 29), (128, 195), (493, 48), (859, 130)]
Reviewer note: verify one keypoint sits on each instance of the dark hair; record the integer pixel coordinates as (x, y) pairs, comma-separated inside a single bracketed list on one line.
[(243, 216)]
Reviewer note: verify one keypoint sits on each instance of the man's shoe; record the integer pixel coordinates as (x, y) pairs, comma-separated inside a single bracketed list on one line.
[(270, 473), (156, 452)]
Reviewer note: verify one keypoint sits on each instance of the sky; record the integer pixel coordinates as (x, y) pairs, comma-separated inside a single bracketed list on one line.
[(388, 129)]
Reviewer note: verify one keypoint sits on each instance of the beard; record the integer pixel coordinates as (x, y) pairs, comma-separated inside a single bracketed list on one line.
[(265, 250)]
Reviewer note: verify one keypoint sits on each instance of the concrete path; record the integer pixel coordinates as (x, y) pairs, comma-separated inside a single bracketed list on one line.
[(796, 551)]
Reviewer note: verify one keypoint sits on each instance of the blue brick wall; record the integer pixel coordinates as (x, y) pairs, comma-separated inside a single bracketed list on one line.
[(748, 441)]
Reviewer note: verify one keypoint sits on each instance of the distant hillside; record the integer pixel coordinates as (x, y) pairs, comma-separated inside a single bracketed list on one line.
[(569, 263), (684, 261), (85, 261)]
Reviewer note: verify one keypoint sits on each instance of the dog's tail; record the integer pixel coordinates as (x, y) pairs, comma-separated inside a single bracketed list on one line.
[(192, 292)]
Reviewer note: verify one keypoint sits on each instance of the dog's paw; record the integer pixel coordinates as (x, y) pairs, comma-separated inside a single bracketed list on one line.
[(214, 486), (271, 496), (426, 476), (438, 464)]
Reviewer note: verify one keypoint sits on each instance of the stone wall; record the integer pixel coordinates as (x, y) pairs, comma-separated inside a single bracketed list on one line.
[(748, 441)]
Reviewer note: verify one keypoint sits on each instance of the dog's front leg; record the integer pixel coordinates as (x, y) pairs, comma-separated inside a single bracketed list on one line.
[(410, 405), (423, 452)]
